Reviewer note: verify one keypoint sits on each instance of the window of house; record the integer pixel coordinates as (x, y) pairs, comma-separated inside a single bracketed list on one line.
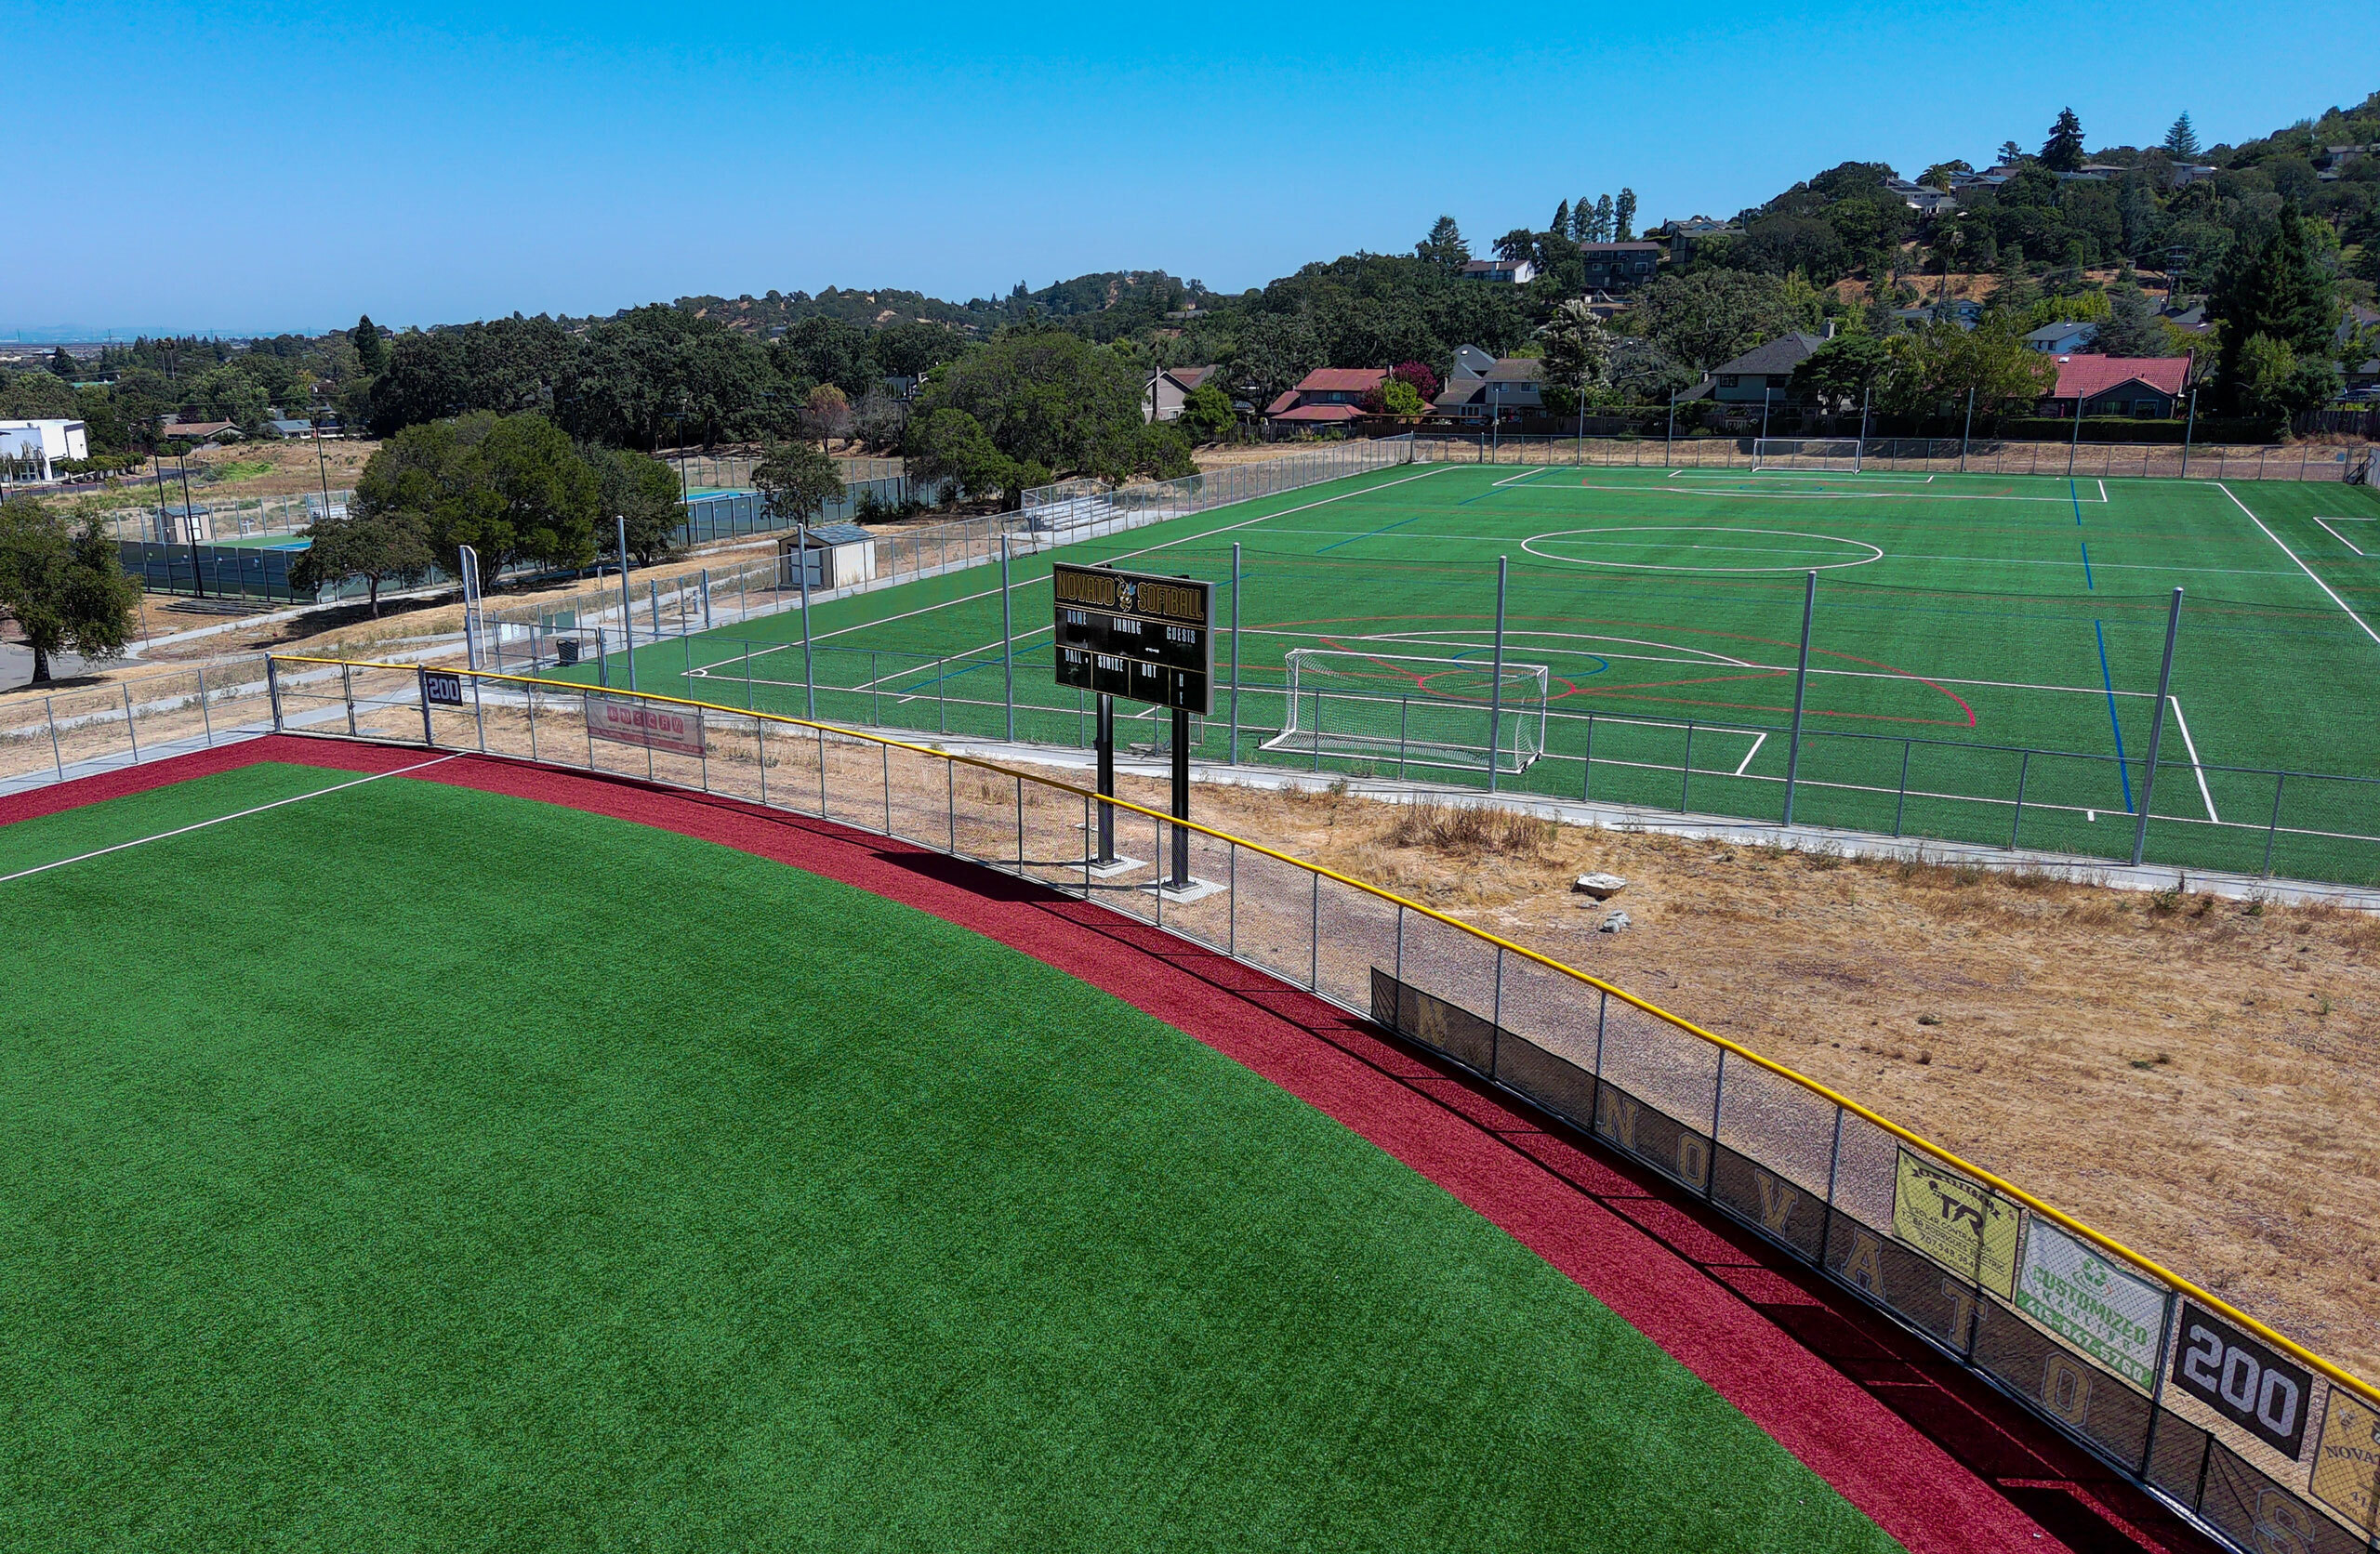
[(1780, 380), (1727, 380)]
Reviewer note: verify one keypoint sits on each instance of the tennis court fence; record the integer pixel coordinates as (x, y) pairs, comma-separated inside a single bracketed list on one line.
[(2251, 1435)]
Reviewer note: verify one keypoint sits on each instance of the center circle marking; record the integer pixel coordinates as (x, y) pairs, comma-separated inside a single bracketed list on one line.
[(1874, 553)]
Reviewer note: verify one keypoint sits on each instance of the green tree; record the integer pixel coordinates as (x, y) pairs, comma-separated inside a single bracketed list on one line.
[(1578, 356), (2062, 153), (62, 362), (371, 345), (2279, 291), (1624, 217), (640, 489), (1043, 396), (2181, 141), (1445, 246), (951, 445), (1703, 318), (1604, 216), (827, 413), (1206, 413), (2131, 327), (512, 487), (1274, 350), (1936, 368), (795, 481), (1840, 373), (375, 546), (1561, 225), (63, 585)]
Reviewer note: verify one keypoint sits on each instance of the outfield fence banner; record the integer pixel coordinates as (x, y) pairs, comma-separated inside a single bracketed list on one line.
[(1928, 455), (656, 725), (2258, 1439), (49, 736)]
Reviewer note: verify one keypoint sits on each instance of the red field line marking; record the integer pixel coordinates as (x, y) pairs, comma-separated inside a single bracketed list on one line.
[(1944, 1466)]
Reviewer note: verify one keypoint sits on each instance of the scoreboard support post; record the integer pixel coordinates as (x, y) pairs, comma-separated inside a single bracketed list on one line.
[(1106, 748), (1182, 797)]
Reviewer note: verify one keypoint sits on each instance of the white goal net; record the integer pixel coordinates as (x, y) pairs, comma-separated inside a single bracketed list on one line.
[(1390, 707), (1806, 453)]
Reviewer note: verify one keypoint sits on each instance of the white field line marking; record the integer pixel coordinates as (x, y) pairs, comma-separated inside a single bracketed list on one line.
[(1869, 477), (1530, 473), (2360, 623), (2103, 493), (185, 830), (2060, 500), (2326, 524), (1757, 744), (989, 593), (2191, 746)]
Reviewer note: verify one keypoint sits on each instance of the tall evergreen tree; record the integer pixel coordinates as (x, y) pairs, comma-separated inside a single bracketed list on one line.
[(1623, 217), (61, 361), (1561, 227), (1603, 220), (371, 345), (2181, 141), (2280, 292), (1582, 221), (2062, 153), (1445, 244)]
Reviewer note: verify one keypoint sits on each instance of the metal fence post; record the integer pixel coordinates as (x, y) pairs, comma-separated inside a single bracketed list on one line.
[(705, 598), (1801, 693), (206, 713), (49, 715), (271, 693), (130, 733), (628, 605), (479, 715), (2156, 728), (1900, 805), (421, 682), (2273, 828), (808, 668), (347, 693), (2024, 767)]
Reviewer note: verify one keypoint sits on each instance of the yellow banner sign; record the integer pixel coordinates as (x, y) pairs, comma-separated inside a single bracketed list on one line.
[(1957, 1222), (2346, 1464)]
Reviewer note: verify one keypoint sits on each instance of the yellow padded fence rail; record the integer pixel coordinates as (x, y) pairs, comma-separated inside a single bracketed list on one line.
[(2335, 1373)]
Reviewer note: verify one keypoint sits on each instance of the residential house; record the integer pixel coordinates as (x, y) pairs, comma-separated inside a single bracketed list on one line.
[(1761, 375), (1164, 394), (201, 431), (1471, 358), (1963, 311), (1604, 306), (1508, 387), (1327, 396), (2192, 317), (1991, 178), (2063, 339), (2362, 373), (29, 451), (1920, 196), (1683, 235), (286, 428), (1618, 267), (2332, 160), (1510, 272), (2187, 173), (2146, 387), (2093, 172)]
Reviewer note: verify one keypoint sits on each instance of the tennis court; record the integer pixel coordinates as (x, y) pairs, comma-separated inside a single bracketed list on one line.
[(1985, 650), (397, 1161)]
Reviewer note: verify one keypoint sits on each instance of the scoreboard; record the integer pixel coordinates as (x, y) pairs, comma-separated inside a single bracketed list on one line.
[(1144, 638)]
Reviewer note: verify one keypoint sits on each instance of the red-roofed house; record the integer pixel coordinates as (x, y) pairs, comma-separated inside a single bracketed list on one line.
[(1327, 396), (2147, 386)]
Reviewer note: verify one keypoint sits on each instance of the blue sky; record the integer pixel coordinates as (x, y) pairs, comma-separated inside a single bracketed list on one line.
[(263, 166)]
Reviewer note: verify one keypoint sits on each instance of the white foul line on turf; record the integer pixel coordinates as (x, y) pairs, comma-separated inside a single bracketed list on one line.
[(1757, 744), (2326, 524), (2360, 623), (2191, 746), (185, 830)]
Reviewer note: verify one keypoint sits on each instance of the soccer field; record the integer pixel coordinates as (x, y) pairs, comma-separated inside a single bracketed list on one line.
[(394, 1164), (1984, 656)]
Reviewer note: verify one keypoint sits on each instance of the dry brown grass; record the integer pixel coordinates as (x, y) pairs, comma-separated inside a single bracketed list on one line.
[(2197, 1076)]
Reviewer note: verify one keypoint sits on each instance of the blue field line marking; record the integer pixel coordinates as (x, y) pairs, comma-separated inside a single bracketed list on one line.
[(2109, 681), (2072, 492), (2087, 568)]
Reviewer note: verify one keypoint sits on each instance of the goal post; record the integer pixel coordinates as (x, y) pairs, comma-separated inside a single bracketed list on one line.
[(1414, 711), (1807, 452)]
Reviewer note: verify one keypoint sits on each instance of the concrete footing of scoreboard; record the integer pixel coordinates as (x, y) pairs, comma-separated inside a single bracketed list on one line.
[(1807, 838)]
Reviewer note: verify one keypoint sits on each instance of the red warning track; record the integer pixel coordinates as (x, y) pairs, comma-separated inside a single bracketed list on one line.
[(1936, 1459)]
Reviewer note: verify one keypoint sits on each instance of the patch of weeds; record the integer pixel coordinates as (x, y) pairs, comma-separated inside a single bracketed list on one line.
[(2165, 902), (1929, 1020)]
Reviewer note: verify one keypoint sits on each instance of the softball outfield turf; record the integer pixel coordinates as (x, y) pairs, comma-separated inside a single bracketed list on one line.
[(414, 1166)]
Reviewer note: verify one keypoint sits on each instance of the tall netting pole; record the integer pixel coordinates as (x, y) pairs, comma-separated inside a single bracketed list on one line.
[(1801, 694), (2156, 729), (1008, 643), (1495, 680), (1235, 653)]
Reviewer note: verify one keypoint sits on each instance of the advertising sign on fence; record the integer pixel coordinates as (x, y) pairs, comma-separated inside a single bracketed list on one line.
[(2243, 1380), (1957, 1222), (2347, 1464), (2107, 1314), (656, 726)]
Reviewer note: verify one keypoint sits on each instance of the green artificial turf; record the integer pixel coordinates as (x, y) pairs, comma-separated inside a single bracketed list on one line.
[(411, 1167), (1959, 622)]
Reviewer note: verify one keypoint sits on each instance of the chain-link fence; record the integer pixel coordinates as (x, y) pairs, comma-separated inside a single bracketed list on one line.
[(2259, 1441), (1938, 456), (50, 736)]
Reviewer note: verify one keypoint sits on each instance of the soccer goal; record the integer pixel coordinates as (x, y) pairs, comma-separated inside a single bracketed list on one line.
[(1412, 711), (1806, 453)]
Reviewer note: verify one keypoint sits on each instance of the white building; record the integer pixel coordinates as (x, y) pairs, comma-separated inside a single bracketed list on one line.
[(30, 449)]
